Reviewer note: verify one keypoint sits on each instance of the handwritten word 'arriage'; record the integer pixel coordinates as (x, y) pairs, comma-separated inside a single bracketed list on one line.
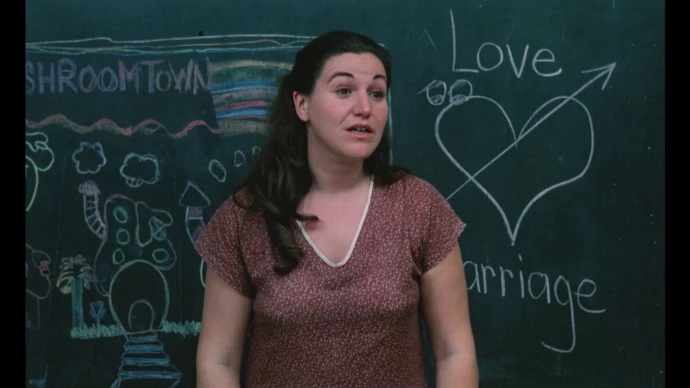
[(537, 285), (149, 75)]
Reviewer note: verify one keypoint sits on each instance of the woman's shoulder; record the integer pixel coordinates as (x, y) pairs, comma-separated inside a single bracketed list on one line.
[(409, 184), (242, 197), (239, 203)]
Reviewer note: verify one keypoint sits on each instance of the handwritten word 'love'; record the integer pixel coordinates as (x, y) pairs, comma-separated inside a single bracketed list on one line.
[(536, 58)]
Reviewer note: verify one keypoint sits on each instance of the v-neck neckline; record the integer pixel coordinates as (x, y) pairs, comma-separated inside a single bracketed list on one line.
[(355, 238)]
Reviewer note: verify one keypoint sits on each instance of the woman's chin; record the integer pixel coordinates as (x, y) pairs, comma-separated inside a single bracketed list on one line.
[(359, 155), (359, 151)]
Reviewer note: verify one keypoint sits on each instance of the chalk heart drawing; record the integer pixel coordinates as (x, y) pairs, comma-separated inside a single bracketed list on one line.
[(538, 117)]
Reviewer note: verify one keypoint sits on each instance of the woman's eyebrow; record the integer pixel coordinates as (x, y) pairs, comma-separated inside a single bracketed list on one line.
[(346, 74)]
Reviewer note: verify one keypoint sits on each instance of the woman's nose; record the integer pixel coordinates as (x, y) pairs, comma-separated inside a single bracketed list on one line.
[(362, 105)]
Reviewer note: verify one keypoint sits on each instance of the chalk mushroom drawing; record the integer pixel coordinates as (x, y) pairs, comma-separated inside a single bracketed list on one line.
[(140, 315), (129, 230), (134, 249)]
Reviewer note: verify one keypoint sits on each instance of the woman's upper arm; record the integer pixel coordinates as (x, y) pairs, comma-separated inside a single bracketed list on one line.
[(228, 290), (436, 229), (445, 308), (224, 323)]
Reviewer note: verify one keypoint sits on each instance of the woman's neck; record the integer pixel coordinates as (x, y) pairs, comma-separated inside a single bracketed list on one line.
[(337, 178), (334, 176)]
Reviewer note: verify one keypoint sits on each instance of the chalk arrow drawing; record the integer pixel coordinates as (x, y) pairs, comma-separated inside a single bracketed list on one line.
[(527, 128)]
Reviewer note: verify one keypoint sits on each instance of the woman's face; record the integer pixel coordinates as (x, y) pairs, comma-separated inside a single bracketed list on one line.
[(347, 111)]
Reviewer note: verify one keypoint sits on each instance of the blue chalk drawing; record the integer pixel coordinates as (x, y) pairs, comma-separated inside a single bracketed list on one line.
[(97, 311), (89, 158), (139, 169)]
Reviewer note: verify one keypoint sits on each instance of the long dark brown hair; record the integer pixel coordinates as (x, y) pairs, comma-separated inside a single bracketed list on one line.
[(281, 176)]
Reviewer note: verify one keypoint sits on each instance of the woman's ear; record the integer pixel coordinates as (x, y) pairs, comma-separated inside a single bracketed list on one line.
[(301, 105)]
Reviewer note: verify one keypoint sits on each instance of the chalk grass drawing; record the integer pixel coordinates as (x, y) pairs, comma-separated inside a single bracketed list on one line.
[(183, 329)]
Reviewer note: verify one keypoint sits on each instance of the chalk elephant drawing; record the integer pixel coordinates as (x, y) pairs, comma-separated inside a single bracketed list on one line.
[(129, 230)]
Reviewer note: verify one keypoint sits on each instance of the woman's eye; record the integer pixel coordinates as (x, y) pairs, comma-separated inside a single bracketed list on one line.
[(378, 94), (343, 91)]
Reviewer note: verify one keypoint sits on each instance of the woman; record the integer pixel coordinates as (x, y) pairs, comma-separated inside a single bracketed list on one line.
[(326, 252)]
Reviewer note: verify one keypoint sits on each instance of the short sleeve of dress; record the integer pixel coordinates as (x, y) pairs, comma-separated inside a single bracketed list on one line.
[(219, 246), (436, 228)]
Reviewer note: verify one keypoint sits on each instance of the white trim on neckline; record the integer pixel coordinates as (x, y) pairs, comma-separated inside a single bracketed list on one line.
[(354, 239)]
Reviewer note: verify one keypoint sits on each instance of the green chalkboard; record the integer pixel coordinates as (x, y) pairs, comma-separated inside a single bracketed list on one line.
[(541, 122)]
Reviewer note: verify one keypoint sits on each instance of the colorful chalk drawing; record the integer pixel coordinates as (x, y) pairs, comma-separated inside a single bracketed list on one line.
[(238, 71), (124, 281), (38, 158), (144, 357), (129, 230), (135, 248), (242, 89), (135, 251), (139, 169), (89, 158), (37, 284), (97, 311), (75, 275)]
